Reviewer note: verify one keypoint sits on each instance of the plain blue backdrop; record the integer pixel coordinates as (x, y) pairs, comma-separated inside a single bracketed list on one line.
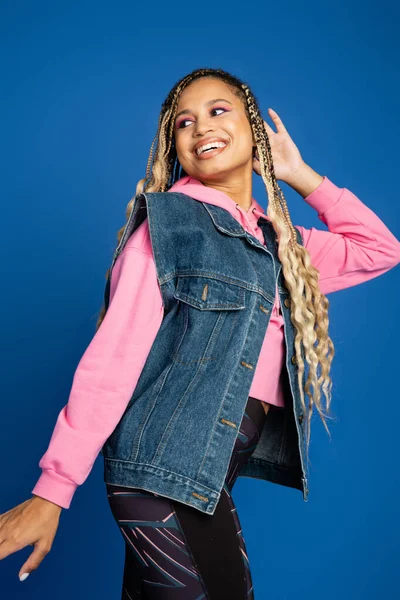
[(82, 86)]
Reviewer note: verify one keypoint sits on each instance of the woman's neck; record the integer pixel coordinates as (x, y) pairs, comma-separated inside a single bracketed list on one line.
[(240, 190)]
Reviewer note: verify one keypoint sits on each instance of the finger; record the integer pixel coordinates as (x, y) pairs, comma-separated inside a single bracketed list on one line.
[(34, 560), (269, 129), (9, 546), (277, 120)]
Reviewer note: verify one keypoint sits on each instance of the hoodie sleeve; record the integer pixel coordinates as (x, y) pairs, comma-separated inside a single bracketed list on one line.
[(358, 245), (105, 378)]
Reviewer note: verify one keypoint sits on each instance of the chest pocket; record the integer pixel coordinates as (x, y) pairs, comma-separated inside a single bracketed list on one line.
[(206, 293), (209, 311)]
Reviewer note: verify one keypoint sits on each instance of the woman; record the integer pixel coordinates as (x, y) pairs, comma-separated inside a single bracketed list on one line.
[(196, 374)]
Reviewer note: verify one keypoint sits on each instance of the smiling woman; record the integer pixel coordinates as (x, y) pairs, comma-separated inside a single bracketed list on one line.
[(212, 311), (211, 136), (209, 112)]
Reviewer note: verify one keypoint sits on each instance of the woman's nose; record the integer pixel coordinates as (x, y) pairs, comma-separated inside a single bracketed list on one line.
[(202, 126)]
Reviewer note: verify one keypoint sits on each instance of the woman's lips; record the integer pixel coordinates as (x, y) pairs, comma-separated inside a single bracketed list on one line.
[(210, 153)]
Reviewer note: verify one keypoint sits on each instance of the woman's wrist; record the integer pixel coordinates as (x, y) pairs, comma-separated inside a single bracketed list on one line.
[(49, 502), (304, 180)]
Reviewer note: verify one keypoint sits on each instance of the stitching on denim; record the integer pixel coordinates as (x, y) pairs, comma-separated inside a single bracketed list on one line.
[(238, 303), (210, 344), (219, 277), (234, 318), (191, 362), (161, 446), (152, 468)]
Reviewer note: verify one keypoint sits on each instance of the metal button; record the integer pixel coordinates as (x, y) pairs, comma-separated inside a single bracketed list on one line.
[(245, 364), (301, 418), (286, 302), (294, 360), (266, 310)]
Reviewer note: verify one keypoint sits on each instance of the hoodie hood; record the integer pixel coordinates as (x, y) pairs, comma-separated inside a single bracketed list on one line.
[(248, 219)]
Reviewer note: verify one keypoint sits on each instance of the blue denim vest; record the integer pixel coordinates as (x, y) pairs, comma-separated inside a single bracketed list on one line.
[(218, 284)]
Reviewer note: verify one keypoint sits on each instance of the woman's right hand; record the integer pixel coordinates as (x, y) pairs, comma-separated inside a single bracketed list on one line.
[(32, 523)]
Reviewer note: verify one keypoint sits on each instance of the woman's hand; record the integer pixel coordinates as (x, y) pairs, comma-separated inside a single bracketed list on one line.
[(33, 523), (285, 154)]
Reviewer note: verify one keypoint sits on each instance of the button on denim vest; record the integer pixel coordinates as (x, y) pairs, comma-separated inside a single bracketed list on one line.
[(179, 428)]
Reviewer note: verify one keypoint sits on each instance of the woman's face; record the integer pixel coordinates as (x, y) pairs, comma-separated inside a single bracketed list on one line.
[(209, 113)]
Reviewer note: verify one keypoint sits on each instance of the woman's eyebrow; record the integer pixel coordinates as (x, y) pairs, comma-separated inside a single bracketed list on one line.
[(187, 111)]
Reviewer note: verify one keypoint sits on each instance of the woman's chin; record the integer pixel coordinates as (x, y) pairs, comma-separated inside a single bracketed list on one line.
[(212, 173)]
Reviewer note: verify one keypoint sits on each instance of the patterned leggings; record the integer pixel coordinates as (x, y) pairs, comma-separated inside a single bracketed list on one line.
[(174, 551)]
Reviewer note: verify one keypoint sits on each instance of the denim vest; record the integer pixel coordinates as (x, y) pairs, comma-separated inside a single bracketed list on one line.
[(179, 428)]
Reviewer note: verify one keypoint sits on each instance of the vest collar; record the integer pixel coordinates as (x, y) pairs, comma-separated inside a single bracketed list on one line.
[(224, 221)]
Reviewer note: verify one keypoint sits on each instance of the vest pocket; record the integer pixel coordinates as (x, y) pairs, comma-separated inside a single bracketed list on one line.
[(207, 293), (210, 308)]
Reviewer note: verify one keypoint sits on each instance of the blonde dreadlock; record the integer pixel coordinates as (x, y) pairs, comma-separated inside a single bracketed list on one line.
[(309, 307)]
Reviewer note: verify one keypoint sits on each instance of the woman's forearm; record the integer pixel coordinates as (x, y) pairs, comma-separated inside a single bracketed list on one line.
[(304, 180)]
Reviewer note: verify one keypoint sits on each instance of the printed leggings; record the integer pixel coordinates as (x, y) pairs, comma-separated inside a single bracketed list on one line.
[(174, 551)]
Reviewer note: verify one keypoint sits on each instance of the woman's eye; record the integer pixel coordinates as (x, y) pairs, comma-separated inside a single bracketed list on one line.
[(214, 109), (181, 125)]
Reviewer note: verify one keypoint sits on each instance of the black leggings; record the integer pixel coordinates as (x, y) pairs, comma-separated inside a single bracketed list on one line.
[(176, 552)]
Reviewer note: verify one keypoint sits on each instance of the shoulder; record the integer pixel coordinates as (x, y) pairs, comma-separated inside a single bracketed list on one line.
[(140, 239)]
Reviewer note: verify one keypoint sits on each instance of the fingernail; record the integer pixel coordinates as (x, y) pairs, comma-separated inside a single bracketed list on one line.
[(24, 576)]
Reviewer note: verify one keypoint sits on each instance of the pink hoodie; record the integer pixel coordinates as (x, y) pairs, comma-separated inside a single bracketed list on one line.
[(357, 247)]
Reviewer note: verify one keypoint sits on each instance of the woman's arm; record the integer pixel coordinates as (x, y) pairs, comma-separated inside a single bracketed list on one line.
[(358, 245), (106, 376)]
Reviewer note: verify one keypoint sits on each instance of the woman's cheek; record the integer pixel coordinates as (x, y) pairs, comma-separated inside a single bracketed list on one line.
[(181, 153)]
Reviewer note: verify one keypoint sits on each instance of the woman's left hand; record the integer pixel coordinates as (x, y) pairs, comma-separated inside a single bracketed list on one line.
[(285, 154)]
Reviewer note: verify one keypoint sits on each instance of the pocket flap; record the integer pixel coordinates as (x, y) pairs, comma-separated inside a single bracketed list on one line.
[(207, 293)]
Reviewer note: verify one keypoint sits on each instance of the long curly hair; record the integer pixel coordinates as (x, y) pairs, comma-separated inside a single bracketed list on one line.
[(308, 306)]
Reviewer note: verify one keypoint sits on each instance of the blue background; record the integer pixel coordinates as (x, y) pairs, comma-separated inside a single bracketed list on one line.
[(82, 85)]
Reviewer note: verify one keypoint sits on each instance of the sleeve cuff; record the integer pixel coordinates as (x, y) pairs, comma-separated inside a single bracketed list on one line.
[(55, 488), (325, 196)]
